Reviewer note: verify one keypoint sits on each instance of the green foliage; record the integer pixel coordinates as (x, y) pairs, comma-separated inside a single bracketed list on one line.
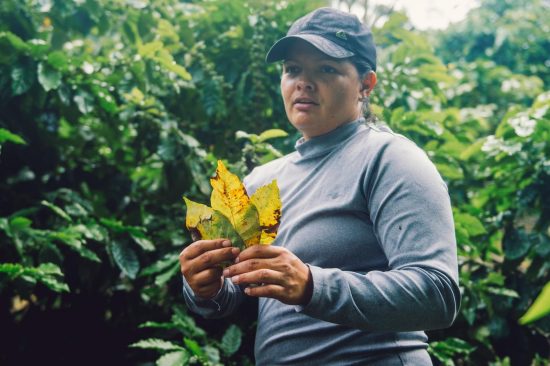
[(448, 349), (125, 258), (47, 273), (157, 344), (111, 111), (231, 340), (196, 347), (6, 135), (540, 307), (257, 150), (513, 34), (173, 359)]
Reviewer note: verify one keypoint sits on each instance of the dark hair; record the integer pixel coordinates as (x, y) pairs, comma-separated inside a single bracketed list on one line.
[(363, 69)]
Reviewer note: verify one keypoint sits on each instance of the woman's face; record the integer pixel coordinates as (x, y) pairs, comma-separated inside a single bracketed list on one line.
[(320, 93)]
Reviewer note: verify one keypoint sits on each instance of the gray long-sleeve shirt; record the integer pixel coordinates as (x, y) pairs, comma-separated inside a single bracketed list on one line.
[(370, 215)]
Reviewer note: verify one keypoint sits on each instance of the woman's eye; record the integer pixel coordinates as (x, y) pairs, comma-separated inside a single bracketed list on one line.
[(328, 69), (292, 69)]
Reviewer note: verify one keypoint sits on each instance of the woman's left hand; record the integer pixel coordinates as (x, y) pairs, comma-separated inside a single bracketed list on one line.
[(282, 275)]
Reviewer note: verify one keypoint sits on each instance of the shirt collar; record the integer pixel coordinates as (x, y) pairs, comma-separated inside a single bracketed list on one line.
[(322, 144)]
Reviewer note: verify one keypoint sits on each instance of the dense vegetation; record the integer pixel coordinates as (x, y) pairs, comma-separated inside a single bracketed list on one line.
[(111, 111)]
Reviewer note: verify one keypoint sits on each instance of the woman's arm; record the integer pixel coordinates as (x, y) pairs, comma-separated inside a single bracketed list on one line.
[(412, 218), (205, 291)]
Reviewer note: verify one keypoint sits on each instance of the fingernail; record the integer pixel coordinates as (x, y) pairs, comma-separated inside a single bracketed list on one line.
[(235, 279), (235, 251), (226, 243), (247, 291), (236, 260), (225, 272)]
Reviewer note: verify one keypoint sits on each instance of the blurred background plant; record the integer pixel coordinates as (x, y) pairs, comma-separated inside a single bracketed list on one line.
[(110, 111)]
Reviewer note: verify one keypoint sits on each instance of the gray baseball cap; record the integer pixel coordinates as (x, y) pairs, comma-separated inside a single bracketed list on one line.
[(335, 33)]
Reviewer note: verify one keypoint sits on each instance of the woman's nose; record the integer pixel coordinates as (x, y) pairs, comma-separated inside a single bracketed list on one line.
[(305, 84)]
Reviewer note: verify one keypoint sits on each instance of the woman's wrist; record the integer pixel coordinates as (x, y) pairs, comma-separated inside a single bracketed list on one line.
[(308, 291)]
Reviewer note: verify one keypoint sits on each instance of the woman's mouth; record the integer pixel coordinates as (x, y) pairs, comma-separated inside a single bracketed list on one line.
[(304, 104)]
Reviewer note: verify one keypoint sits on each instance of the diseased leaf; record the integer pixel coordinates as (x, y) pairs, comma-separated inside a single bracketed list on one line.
[(234, 215), (207, 223), (230, 198), (268, 202)]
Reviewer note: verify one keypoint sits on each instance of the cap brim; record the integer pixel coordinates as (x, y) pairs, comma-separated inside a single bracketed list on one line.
[(278, 50)]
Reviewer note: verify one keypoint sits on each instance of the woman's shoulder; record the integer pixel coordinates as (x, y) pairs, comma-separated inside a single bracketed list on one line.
[(380, 139), (395, 154)]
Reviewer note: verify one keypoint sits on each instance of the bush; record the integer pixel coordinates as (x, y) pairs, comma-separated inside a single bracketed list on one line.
[(111, 111)]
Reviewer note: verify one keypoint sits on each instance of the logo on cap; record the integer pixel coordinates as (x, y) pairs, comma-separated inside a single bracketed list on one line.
[(342, 35)]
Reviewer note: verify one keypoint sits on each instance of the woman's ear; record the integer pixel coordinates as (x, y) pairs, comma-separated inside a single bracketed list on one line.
[(368, 83)]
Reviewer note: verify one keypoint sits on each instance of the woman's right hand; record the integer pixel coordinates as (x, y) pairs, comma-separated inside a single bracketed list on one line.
[(201, 262)]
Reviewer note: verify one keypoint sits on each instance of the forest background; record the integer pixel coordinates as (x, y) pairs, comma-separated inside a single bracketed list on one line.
[(112, 110)]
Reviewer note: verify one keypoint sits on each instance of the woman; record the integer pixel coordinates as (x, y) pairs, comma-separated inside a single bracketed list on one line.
[(365, 256)]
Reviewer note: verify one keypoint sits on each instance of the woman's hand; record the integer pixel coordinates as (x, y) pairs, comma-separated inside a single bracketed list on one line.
[(282, 275), (200, 264)]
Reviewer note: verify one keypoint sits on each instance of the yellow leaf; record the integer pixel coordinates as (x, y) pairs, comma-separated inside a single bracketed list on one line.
[(206, 223), (244, 220), (230, 198), (268, 202)]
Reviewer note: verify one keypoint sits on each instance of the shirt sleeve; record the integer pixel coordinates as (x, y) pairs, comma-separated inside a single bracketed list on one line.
[(224, 303), (410, 209)]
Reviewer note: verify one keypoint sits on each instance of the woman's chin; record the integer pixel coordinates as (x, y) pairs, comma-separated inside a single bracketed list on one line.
[(305, 122), (306, 128)]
